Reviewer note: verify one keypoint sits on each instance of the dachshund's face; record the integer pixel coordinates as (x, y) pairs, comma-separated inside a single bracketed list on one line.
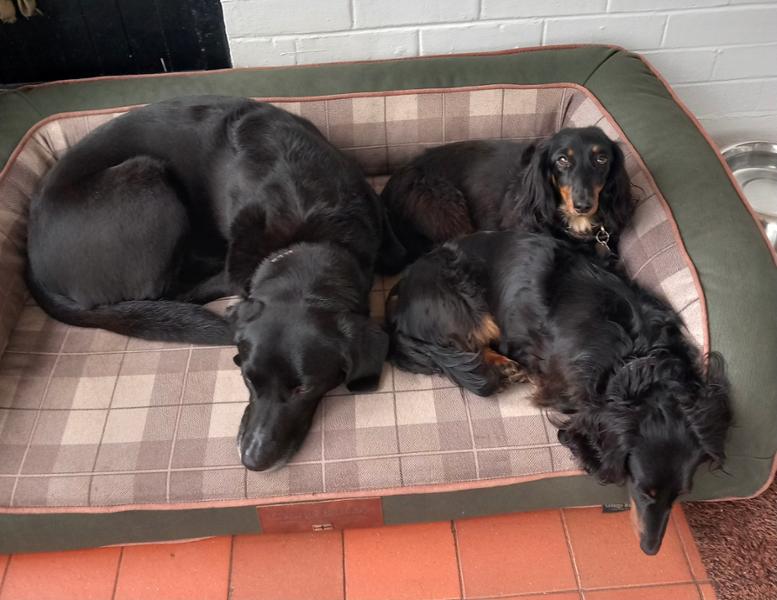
[(660, 467), (290, 356), (659, 425), (581, 162)]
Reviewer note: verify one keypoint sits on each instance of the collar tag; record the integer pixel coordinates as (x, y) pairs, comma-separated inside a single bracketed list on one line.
[(602, 236)]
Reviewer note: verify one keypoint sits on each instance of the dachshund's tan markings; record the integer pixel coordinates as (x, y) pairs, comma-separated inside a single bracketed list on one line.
[(485, 334)]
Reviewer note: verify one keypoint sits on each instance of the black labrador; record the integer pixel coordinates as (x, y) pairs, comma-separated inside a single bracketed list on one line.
[(635, 404), (181, 202)]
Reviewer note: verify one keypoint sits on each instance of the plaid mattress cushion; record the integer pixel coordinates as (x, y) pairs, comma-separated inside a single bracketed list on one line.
[(89, 418)]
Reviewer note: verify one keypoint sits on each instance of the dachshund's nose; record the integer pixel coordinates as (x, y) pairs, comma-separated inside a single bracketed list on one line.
[(582, 206)]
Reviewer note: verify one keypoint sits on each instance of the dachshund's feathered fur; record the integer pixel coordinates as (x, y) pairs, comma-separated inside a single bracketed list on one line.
[(630, 394)]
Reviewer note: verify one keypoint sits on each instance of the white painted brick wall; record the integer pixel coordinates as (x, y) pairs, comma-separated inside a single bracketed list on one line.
[(720, 55)]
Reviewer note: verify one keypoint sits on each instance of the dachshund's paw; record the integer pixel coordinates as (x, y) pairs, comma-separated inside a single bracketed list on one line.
[(509, 371), (513, 373)]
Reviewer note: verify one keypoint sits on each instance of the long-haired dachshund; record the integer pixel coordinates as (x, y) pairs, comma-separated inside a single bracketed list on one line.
[(185, 201), (574, 185), (634, 403)]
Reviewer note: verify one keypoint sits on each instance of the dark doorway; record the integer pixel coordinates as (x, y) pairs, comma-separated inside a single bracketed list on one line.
[(84, 38)]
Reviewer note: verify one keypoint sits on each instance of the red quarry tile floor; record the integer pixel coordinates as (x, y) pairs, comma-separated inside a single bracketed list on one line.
[(190, 570), (405, 562), (295, 566), (608, 554), (573, 554), (530, 554), (77, 575)]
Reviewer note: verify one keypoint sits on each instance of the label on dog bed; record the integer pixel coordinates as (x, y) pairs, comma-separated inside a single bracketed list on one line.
[(321, 516), (613, 508)]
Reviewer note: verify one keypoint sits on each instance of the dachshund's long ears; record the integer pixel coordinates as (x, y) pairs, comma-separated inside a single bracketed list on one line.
[(589, 432), (365, 348), (536, 202), (617, 191), (710, 415)]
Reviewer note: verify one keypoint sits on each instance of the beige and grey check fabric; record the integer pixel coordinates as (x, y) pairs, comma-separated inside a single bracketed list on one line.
[(91, 419)]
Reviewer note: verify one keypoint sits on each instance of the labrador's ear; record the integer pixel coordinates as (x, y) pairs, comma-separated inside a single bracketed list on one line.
[(244, 311), (365, 348)]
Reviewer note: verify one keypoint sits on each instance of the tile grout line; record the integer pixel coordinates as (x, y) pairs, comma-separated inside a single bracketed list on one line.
[(683, 546), (231, 565), (685, 555), (532, 595), (342, 543), (4, 574), (637, 586), (571, 551), (118, 570), (38, 414), (459, 566), (581, 592)]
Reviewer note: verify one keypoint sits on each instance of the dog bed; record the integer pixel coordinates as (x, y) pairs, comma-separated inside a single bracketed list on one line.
[(106, 439)]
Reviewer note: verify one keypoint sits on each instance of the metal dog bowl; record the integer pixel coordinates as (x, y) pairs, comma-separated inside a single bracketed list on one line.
[(754, 164)]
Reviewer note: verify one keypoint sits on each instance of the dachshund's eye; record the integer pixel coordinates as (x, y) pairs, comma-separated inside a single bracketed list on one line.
[(562, 162), (601, 159)]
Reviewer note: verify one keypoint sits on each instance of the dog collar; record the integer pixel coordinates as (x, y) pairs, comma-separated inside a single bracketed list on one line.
[(602, 237)]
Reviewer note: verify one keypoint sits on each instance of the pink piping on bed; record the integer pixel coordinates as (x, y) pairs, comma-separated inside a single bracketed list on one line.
[(314, 497)]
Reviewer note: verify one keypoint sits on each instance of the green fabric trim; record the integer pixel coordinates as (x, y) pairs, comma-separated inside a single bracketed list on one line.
[(561, 492), (556, 492), (58, 531), (736, 271), (62, 531)]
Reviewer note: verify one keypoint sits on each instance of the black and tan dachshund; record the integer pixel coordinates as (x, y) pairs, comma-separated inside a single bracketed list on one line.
[(184, 201), (632, 399), (573, 185)]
